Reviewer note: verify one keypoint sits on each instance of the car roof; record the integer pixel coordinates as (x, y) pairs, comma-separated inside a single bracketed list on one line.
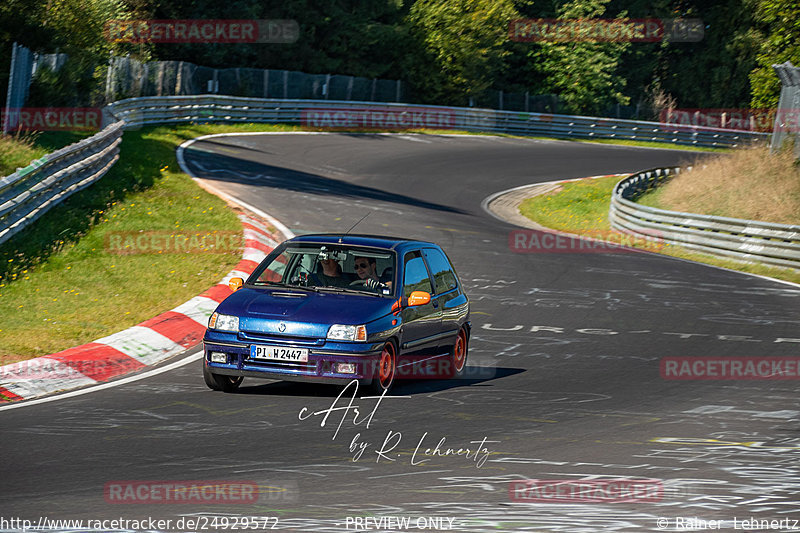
[(375, 241)]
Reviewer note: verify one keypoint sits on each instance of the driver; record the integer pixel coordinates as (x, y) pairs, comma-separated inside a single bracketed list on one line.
[(366, 268)]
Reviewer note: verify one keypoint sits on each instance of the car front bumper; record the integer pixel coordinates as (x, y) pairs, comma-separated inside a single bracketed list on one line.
[(321, 366)]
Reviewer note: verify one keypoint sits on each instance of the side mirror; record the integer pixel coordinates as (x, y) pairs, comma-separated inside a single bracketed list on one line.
[(416, 298), (419, 298), (235, 284)]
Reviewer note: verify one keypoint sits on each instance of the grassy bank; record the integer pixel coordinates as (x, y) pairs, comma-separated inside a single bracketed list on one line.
[(749, 183), (17, 151), (581, 207), (60, 283)]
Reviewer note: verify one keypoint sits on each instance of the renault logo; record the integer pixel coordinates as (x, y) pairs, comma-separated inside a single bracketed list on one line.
[(282, 327)]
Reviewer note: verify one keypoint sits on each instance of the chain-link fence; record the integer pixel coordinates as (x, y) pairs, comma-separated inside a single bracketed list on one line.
[(787, 119), (128, 78), (57, 81)]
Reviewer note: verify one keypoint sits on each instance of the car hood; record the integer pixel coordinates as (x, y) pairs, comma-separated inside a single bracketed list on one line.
[(302, 313)]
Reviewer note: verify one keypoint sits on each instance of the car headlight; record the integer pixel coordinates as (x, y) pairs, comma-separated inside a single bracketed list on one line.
[(223, 322), (342, 332)]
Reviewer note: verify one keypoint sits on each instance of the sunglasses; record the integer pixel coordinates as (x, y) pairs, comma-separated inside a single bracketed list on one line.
[(361, 265)]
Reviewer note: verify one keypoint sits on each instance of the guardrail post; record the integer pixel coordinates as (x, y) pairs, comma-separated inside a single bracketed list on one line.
[(18, 84), (788, 108)]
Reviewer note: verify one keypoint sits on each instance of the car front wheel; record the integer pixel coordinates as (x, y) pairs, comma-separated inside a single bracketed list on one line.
[(387, 368), (219, 382)]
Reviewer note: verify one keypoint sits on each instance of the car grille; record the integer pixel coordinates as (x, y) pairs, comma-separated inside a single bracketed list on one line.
[(282, 339)]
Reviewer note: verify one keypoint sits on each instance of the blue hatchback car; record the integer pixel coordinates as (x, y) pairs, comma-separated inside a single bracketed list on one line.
[(332, 308)]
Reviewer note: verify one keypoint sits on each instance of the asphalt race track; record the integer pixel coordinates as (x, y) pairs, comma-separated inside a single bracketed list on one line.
[(564, 381)]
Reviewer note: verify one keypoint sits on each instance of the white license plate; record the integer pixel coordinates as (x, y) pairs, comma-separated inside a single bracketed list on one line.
[(279, 353)]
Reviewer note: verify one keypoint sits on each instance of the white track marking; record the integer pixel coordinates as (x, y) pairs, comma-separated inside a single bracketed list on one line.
[(189, 359)]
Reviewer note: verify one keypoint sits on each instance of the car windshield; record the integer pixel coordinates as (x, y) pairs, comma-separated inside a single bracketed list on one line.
[(328, 267)]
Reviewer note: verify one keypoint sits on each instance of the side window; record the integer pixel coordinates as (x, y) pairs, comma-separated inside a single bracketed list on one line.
[(416, 275), (443, 275)]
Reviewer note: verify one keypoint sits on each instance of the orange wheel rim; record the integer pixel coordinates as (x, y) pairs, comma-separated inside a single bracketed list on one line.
[(386, 368), (460, 351)]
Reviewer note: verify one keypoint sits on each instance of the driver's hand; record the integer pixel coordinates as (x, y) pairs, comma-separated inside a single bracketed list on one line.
[(373, 283)]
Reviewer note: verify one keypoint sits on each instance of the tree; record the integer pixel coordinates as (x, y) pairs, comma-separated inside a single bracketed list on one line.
[(584, 74), (461, 47), (780, 24), (352, 37)]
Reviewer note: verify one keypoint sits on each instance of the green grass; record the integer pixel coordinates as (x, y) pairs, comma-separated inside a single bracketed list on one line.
[(653, 144), (17, 151), (577, 204), (581, 207)]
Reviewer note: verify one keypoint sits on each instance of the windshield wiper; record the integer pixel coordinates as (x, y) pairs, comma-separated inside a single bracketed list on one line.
[(349, 291), (286, 285)]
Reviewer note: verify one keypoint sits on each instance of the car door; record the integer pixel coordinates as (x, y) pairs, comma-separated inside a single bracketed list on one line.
[(421, 323), (451, 301)]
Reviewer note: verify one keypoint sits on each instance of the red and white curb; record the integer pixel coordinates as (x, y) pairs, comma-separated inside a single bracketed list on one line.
[(140, 346)]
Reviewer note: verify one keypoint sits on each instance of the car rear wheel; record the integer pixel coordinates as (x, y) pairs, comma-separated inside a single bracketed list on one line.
[(219, 382), (458, 358), (387, 368)]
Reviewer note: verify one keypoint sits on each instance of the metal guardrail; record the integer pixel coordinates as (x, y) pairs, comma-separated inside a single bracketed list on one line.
[(745, 240), (31, 191), (217, 108)]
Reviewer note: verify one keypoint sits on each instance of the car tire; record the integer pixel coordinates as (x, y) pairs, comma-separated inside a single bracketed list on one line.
[(458, 354), (387, 369), (219, 382)]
